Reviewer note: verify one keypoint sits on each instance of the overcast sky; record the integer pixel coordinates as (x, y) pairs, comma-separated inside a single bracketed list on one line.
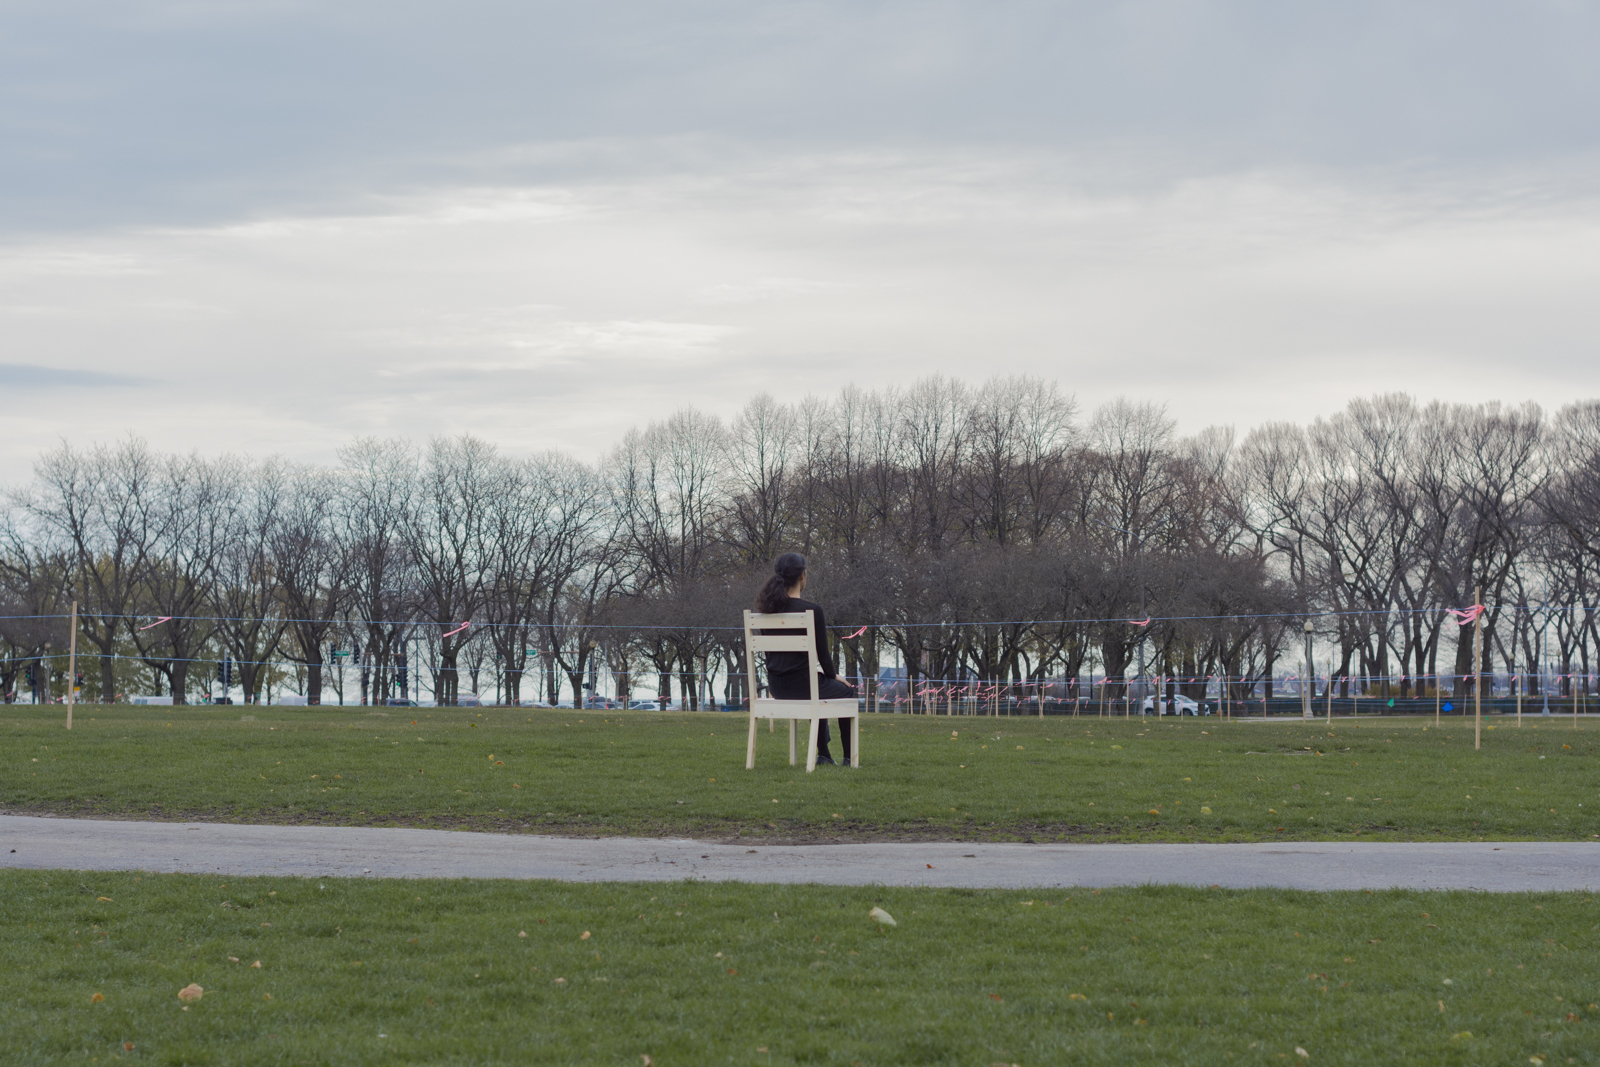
[(275, 226)]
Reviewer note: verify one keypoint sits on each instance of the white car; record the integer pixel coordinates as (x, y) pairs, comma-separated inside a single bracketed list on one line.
[(1176, 705), (644, 705)]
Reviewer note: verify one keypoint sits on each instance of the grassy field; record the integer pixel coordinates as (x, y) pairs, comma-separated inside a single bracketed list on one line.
[(356, 972), (928, 778)]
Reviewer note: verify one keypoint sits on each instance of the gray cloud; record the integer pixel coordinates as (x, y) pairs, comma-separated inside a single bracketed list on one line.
[(545, 222), (190, 112), (33, 376)]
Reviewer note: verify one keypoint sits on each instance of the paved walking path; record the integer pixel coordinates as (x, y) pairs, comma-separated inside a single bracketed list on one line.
[(354, 852)]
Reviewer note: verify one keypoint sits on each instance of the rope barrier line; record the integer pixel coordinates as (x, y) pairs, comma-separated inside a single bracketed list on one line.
[(968, 685)]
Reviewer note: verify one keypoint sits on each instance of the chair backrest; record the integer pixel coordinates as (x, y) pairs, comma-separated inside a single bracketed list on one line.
[(806, 641)]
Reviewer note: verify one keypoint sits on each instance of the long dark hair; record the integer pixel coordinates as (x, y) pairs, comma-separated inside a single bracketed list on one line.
[(774, 594)]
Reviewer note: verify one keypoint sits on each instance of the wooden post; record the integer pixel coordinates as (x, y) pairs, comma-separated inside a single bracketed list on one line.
[(1436, 699), (1477, 673), (1330, 692), (1519, 701), (72, 663)]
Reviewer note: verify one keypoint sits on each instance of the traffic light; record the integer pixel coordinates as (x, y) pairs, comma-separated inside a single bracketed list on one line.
[(400, 672)]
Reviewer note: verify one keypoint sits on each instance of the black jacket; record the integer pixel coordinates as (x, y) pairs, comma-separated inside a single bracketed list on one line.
[(786, 671)]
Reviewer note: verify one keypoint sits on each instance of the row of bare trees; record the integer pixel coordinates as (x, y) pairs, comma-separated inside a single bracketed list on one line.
[(986, 534)]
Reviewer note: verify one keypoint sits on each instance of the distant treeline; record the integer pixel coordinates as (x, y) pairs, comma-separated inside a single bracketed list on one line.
[(984, 533)]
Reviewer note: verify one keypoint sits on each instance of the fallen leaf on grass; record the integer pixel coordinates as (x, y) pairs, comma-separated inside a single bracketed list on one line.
[(996, 998), (644, 1058), (732, 971), (256, 965), (233, 959), (584, 936), (103, 900), (879, 915), (127, 1046), (1302, 1053), (191, 993), (1076, 996), (98, 998)]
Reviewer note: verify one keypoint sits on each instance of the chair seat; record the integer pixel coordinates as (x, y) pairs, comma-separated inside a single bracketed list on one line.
[(772, 708)]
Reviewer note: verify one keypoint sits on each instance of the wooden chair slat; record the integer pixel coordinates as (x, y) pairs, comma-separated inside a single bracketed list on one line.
[(774, 643)]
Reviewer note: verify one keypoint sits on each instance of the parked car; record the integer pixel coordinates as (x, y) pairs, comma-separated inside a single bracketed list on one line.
[(644, 705), (468, 700), (400, 704), (150, 700), (1176, 705), (601, 704)]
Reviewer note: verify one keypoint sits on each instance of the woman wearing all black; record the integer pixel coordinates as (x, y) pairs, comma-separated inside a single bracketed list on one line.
[(787, 671)]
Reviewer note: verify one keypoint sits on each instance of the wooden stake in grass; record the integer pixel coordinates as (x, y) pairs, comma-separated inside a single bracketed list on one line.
[(1477, 673), (72, 663), (1518, 678)]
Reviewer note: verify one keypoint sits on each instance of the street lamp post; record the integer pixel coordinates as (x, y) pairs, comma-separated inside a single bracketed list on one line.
[(1307, 677)]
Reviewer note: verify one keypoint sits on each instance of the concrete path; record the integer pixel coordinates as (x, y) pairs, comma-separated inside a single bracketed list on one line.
[(354, 852)]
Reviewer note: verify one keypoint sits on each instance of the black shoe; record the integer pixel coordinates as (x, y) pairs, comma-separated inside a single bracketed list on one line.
[(846, 762), (826, 759)]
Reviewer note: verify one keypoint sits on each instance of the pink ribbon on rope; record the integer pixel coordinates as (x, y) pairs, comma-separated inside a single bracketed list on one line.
[(158, 622), (1467, 616), (458, 629), (1139, 622), (858, 633)]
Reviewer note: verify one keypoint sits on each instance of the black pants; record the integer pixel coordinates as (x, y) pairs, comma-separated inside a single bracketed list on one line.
[(827, 689)]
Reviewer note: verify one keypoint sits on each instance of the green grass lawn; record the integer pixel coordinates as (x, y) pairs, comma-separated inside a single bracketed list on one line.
[(931, 778), (356, 972)]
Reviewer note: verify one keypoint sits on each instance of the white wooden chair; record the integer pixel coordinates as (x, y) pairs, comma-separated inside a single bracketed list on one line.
[(814, 709)]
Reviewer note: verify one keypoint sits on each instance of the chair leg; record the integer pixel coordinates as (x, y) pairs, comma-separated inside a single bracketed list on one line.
[(855, 741), (811, 750), (791, 743), (750, 752)]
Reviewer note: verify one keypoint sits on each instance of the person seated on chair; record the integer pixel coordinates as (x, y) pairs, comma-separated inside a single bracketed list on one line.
[(786, 671)]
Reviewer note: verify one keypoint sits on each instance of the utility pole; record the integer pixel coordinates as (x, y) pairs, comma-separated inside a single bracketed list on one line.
[(1544, 654), (72, 663), (1477, 672), (1305, 679)]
